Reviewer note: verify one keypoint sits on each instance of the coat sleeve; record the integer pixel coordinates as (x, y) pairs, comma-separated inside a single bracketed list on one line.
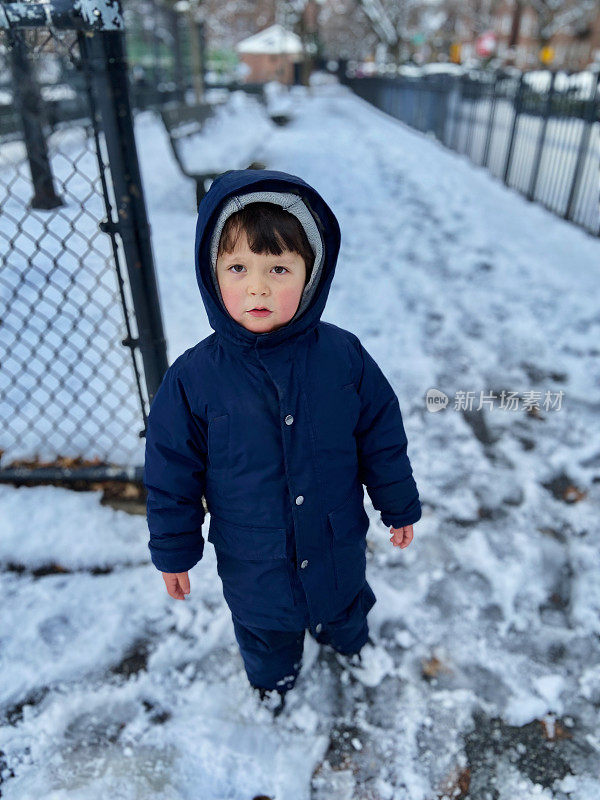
[(384, 467), (174, 477)]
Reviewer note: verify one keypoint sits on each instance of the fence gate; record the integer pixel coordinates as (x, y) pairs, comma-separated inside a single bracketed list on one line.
[(82, 348)]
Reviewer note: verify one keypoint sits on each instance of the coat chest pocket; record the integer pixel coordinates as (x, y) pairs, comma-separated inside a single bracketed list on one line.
[(336, 417), (349, 525), (218, 446)]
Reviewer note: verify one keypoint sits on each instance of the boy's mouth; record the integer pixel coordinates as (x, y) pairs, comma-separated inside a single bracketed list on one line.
[(260, 311)]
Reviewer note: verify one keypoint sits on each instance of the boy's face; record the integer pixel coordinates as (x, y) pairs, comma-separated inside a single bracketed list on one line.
[(251, 280)]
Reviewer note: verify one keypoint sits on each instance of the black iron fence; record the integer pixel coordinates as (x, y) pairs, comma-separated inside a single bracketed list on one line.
[(81, 338), (539, 132)]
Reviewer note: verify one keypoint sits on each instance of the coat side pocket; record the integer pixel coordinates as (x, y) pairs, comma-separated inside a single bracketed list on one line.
[(349, 524), (350, 520), (247, 542), (252, 565)]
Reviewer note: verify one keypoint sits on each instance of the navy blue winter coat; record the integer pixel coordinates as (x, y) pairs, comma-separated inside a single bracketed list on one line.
[(279, 431)]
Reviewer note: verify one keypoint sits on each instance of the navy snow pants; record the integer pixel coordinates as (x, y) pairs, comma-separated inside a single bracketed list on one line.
[(273, 659)]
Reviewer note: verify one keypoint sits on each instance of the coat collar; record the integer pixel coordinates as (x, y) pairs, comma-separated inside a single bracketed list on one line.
[(235, 182)]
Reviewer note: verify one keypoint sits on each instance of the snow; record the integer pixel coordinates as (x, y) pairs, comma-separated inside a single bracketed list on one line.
[(274, 40), (491, 616), (233, 135), (101, 14), (443, 68)]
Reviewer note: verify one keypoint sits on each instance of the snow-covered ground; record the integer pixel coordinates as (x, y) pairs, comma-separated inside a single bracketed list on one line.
[(109, 688)]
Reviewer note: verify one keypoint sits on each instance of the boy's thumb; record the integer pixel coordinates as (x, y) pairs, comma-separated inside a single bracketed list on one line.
[(184, 582)]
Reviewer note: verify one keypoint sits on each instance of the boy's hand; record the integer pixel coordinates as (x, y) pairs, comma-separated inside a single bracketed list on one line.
[(401, 537), (177, 583)]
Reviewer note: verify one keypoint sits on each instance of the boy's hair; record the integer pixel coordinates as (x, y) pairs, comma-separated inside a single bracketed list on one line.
[(269, 229)]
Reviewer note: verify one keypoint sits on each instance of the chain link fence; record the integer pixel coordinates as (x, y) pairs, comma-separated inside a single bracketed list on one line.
[(81, 341)]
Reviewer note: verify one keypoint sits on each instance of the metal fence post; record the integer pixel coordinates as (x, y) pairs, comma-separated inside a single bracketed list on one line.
[(106, 51), (541, 139), (588, 121), (418, 108), (457, 114), (471, 123), (30, 105), (490, 126), (511, 143), (442, 103)]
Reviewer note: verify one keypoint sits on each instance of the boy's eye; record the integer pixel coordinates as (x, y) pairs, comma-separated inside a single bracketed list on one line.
[(233, 267)]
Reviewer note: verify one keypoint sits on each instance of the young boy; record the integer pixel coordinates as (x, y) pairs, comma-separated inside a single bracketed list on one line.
[(278, 419)]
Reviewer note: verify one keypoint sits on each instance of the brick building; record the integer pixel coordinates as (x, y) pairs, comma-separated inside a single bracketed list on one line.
[(270, 55), (572, 33)]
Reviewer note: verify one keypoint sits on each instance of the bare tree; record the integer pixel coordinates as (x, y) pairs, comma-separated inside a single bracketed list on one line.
[(556, 15), (345, 29), (516, 24), (390, 21)]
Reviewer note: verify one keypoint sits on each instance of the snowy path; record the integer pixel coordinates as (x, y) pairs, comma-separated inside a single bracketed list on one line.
[(492, 615)]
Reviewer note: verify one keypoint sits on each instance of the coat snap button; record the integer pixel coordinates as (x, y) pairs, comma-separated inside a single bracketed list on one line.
[(319, 628), (299, 500), (289, 419), (304, 564)]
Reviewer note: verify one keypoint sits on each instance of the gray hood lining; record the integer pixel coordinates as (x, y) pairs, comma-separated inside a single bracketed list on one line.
[(289, 202)]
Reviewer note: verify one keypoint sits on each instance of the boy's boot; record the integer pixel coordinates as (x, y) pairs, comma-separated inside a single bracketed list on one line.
[(270, 699), (370, 665), (349, 661)]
